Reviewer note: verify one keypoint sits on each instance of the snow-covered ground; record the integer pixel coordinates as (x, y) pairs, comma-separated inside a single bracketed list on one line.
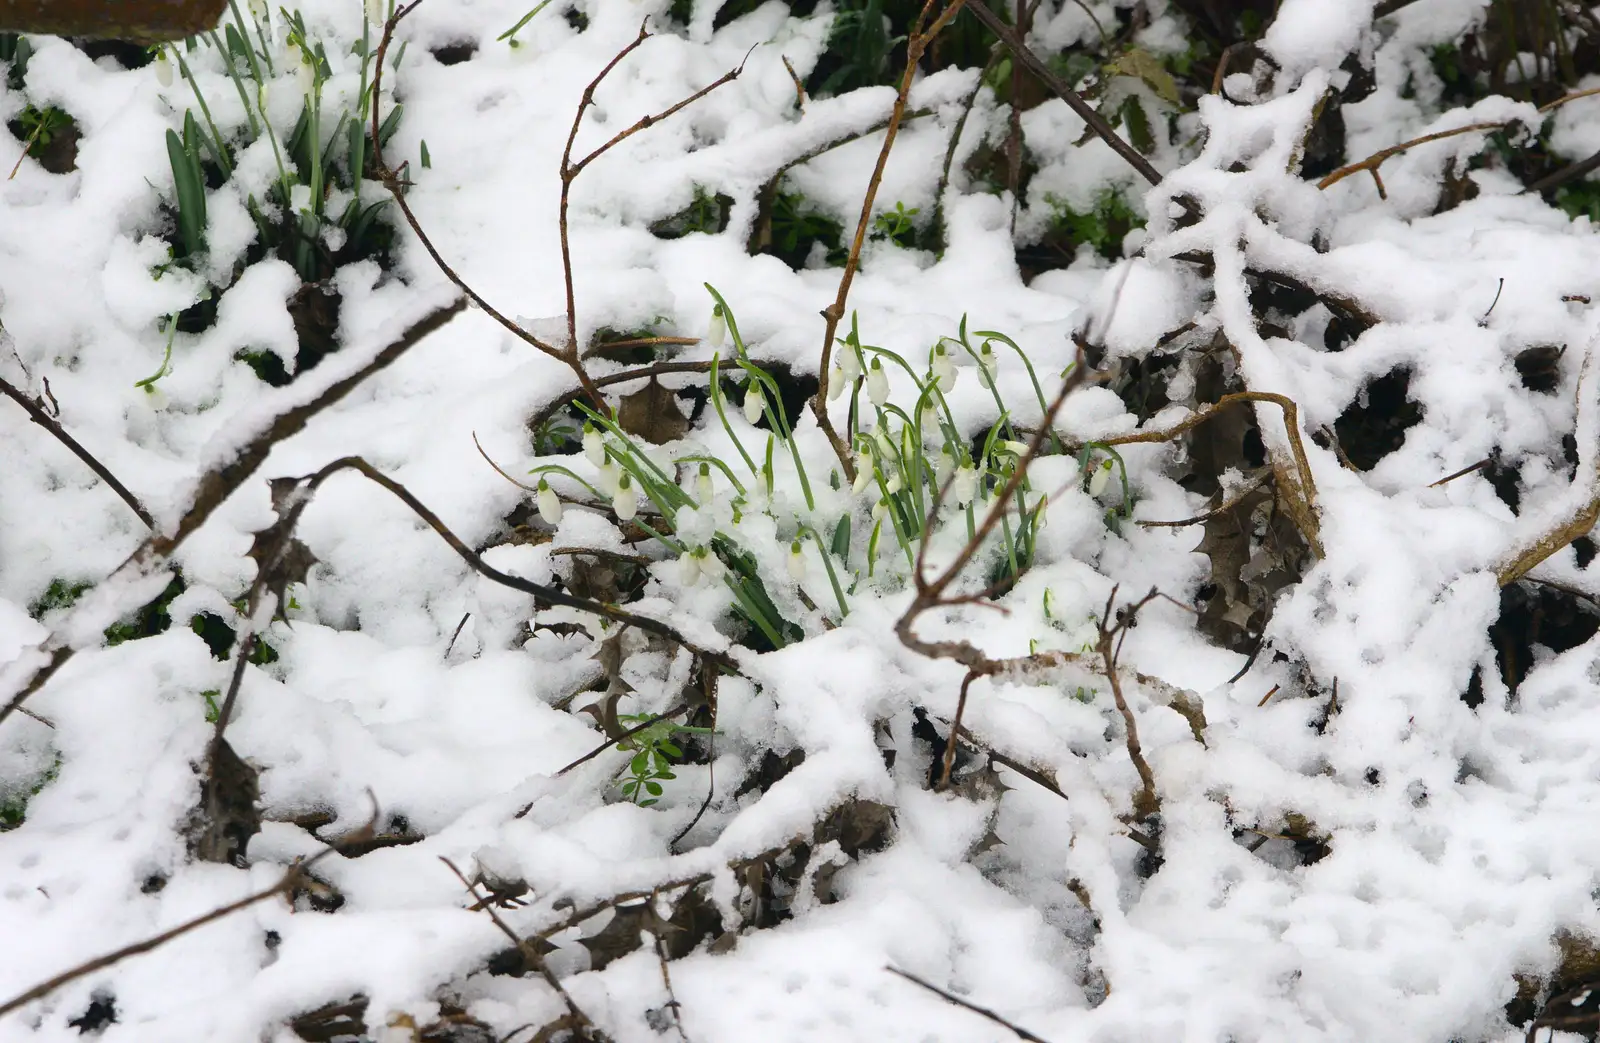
[(1362, 855)]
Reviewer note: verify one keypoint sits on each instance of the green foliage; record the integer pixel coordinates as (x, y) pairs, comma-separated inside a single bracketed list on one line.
[(797, 226), (60, 594), (14, 805), (706, 213), (1580, 199), (861, 45), (40, 126), (1102, 226), (896, 226), (653, 758)]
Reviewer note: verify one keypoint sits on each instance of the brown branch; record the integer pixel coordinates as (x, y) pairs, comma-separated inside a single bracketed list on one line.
[(920, 36), (658, 369), (37, 413), (1147, 801), (1302, 513), (286, 883), (624, 737), (1086, 112), (218, 485), (984, 1012), (1221, 508)]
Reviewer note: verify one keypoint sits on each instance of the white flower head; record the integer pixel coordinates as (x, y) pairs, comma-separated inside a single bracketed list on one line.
[(864, 469), (704, 491), (877, 383), (943, 368), (717, 331), (688, 569), (849, 363), (1041, 517), (944, 465), (625, 502), (754, 405), (797, 562), (163, 68), (375, 11), (894, 484), (549, 504), (1015, 448), (879, 509), (711, 566), (930, 420), (964, 486), (1101, 477), (988, 364), (610, 477), (594, 445), (258, 10), (836, 383)]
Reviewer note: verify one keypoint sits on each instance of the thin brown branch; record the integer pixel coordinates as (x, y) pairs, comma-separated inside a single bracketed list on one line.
[(1372, 162), (37, 413), (624, 737), (1485, 462), (216, 486), (984, 1012), (1147, 801), (1086, 112), (955, 730), (286, 883), (1302, 508), (1221, 508), (922, 34)]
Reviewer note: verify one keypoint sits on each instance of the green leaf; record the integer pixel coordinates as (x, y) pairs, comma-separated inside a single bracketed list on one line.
[(640, 763), (1142, 65), (653, 788), (427, 160), (191, 193), (841, 539), (1138, 124)]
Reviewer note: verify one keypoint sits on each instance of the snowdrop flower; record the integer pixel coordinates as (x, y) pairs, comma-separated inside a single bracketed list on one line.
[(1049, 603), (258, 10), (930, 419), (594, 445), (964, 486), (163, 68), (1015, 448), (549, 504), (610, 477), (894, 484), (710, 565), (988, 364), (717, 331), (944, 466), (704, 491), (688, 569), (304, 73), (1101, 476), (752, 402), (879, 509), (943, 368), (375, 10), (877, 383), (625, 502), (797, 562), (849, 364), (863, 472), (1040, 518), (836, 383)]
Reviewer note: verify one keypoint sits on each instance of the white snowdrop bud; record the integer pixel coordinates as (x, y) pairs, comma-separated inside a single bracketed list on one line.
[(877, 383), (626, 501), (797, 562), (610, 477), (836, 383), (964, 486), (717, 331), (849, 364), (163, 68), (1101, 476), (258, 10), (943, 368), (304, 73), (943, 466), (752, 402), (1040, 517), (879, 509), (930, 419), (375, 10), (703, 489), (1015, 448), (1049, 603), (710, 565), (549, 504), (688, 569), (594, 445), (894, 484), (863, 473), (988, 364)]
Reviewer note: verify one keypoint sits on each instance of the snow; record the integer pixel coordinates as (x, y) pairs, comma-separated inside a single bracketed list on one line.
[(1458, 841)]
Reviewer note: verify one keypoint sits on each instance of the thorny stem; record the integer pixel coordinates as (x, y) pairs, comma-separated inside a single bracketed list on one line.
[(918, 41)]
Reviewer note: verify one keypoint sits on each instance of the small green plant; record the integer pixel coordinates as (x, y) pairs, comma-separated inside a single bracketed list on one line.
[(40, 126), (653, 758), (60, 594), (896, 226), (706, 213), (797, 227), (1103, 226), (859, 48), (14, 806)]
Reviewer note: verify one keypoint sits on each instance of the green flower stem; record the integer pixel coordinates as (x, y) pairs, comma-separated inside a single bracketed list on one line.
[(214, 141), (233, 74), (255, 67), (823, 552), (697, 458), (1044, 407), (716, 400)]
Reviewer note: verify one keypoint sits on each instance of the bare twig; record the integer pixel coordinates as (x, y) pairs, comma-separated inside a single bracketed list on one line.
[(216, 486), (1221, 508), (1485, 462), (1086, 112), (38, 414), (984, 1012), (624, 737), (1147, 801), (921, 34), (286, 883)]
